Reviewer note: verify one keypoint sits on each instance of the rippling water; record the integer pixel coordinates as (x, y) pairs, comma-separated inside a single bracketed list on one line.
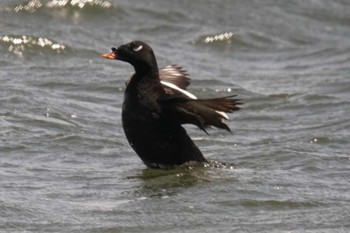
[(65, 165)]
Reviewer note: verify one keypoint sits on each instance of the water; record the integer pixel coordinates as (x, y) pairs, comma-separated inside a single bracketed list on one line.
[(65, 165)]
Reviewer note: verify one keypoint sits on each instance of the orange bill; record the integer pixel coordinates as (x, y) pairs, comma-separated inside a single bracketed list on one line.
[(109, 55)]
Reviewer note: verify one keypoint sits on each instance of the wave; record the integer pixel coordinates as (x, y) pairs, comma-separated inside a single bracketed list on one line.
[(75, 5), (216, 39), (240, 39), (21, 45)]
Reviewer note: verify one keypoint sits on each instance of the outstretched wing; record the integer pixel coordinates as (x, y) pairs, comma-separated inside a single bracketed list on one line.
[(200, 112)]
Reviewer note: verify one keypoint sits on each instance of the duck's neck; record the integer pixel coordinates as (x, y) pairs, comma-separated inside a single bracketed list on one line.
[(148, 69)]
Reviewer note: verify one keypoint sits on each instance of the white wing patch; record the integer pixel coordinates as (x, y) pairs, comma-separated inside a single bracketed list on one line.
[(191, 96), (138, 48), (173, 86)]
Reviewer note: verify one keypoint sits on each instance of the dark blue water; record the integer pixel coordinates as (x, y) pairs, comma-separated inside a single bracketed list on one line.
[(65, 165)]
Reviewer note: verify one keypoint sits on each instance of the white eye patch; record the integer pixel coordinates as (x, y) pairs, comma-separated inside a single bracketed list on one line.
[(137, 48)]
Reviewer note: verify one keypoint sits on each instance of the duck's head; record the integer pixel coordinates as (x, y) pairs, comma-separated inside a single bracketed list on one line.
[(138, 53)]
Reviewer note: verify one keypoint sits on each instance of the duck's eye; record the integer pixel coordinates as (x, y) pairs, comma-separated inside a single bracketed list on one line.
[(138, 48), (114, 50)]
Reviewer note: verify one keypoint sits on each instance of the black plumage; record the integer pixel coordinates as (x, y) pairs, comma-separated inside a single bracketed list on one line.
[(156, 105)]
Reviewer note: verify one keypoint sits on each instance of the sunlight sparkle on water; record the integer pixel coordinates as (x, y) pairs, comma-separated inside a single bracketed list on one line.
[(18, 44), (78, 3), (221, 37)]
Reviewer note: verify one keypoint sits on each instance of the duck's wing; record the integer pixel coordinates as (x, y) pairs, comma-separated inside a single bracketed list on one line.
[(200, 112), (175, 75), (173, 90)]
